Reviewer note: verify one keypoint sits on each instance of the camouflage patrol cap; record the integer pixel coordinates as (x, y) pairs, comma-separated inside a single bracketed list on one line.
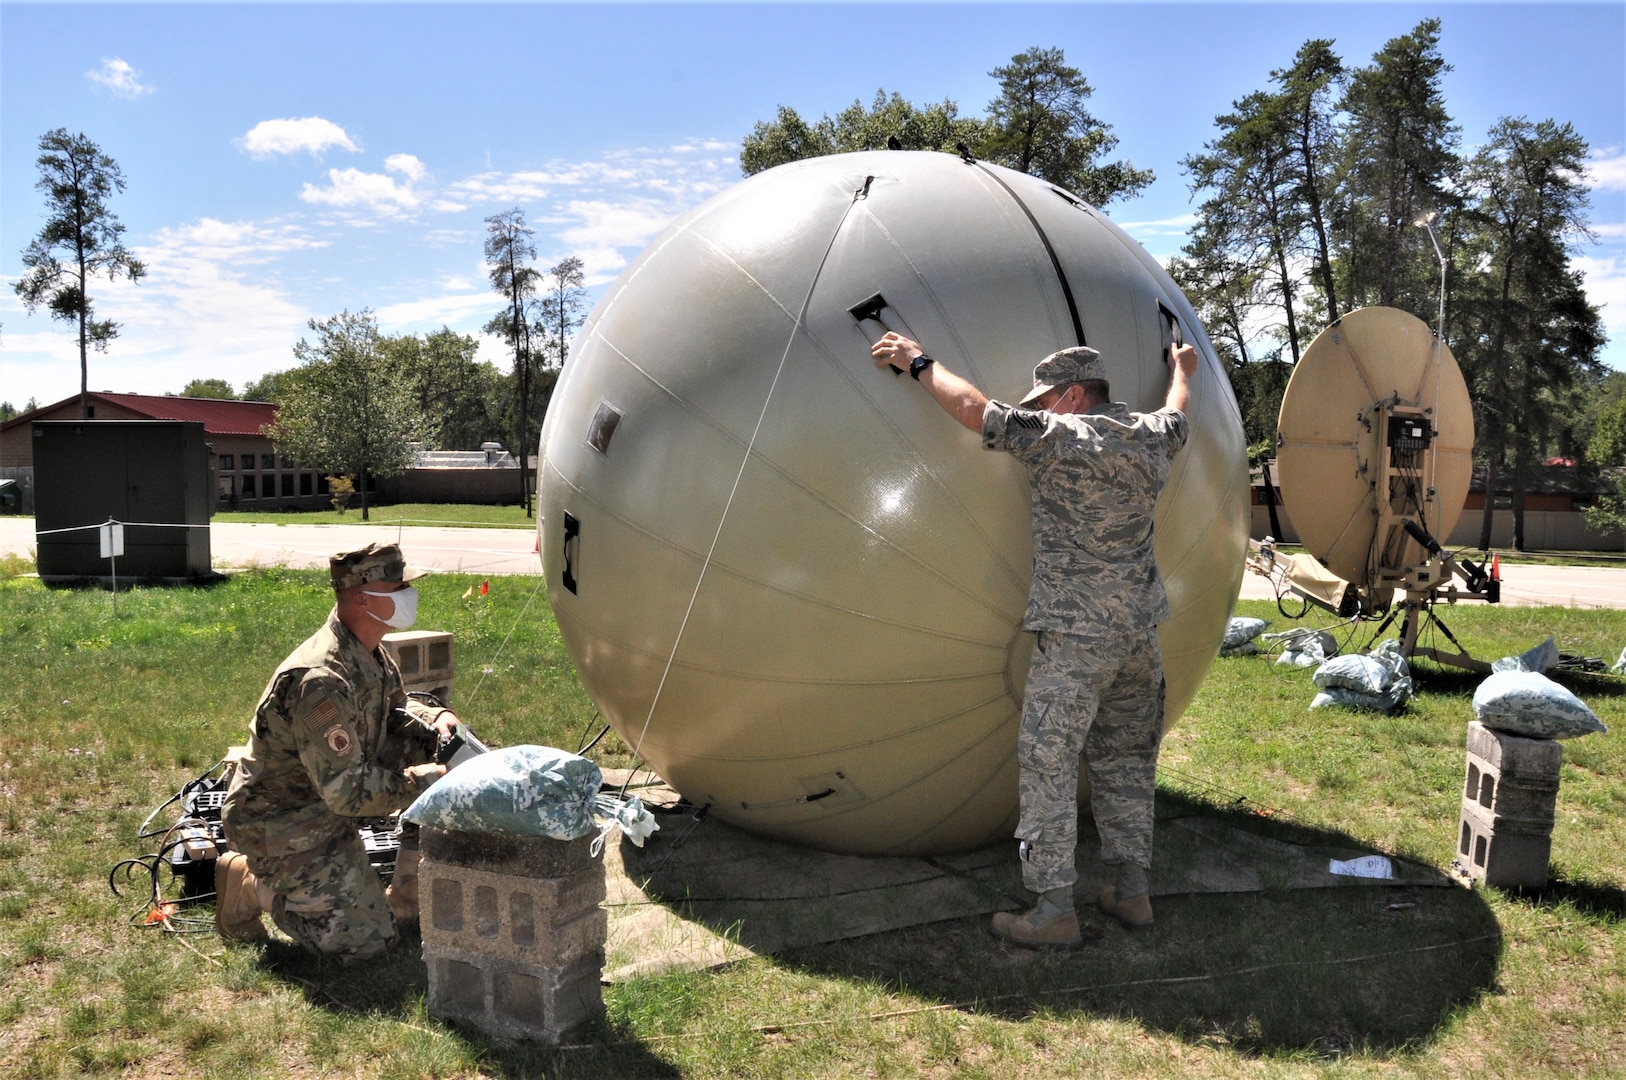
[(1078, 364), (364, 566)]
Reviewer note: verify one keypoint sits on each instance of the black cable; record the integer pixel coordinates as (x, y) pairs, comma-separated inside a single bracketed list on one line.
[(602, 732)]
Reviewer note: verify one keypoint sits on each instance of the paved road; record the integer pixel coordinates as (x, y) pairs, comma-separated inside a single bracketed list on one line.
[(232, 545), (512, 551)]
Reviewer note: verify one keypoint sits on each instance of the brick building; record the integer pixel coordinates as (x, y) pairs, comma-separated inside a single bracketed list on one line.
[(247, 471)]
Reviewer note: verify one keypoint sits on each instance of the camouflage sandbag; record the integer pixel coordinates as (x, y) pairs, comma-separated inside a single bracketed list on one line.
[(1239, 635), (1303, 647), (1540, 659), (528, 791), (1530, 704), (1378, 680)]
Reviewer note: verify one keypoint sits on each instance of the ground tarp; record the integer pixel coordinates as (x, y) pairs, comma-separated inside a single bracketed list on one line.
[(701, 893)]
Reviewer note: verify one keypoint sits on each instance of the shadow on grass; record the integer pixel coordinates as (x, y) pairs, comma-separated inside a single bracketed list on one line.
[(391, 986), (1607, 903), (1321, 972)]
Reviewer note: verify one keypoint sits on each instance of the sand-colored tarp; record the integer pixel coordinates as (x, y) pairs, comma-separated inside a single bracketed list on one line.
[(701, 893)]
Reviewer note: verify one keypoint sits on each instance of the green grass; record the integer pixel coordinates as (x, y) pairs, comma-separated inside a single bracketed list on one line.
[(104, 716), (477, 516)]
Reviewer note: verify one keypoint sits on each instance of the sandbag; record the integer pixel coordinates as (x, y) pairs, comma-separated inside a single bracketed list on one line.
[(1303, 647), (1541, 659), (1530, 704), (1239, 635), (1378, 680), (529, 791)]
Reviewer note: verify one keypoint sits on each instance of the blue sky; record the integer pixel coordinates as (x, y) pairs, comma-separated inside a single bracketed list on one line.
[(285, 162)]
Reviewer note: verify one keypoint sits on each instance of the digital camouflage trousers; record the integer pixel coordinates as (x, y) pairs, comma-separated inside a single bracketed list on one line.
[(1104, 699)]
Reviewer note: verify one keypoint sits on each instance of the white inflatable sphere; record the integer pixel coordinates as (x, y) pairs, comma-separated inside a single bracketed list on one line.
[(792, 582)]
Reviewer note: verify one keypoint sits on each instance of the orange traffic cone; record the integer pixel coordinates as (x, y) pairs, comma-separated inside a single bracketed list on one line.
[(1496, 567)]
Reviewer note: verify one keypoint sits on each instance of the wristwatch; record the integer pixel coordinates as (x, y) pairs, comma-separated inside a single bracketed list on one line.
[(919, 364)]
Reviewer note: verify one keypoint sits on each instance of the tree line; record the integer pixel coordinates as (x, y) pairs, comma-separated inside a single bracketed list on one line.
[(1339, 187), (1333, 187)]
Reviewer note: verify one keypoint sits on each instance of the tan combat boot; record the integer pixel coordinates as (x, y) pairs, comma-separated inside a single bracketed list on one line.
[(1033, 931), (1135, 912), (237, 899), (403, 891)]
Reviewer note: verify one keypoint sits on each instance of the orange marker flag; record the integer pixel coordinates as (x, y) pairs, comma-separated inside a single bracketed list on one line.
[(485, 587)]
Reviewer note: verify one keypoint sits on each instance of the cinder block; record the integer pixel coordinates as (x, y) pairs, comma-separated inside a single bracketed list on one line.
[(511, 1000), (1507, 794), (520, 856), (549, 922), (1503, 851), (426, 659), (517, 955), (1515, 755)]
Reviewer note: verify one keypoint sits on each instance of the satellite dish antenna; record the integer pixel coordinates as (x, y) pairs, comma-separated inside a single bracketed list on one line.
[(1374, 456)]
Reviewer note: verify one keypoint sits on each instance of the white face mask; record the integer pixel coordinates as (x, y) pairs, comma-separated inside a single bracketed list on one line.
[(406, 607)]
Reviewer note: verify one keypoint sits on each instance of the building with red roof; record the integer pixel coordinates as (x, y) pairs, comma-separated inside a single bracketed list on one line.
[(249, 474)]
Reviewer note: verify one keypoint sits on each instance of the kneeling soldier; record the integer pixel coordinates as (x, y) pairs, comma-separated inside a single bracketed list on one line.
[(334, 739)]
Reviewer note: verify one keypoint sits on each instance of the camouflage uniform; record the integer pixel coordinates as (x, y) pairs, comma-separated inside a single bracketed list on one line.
[(331, 737), (1096, 680)]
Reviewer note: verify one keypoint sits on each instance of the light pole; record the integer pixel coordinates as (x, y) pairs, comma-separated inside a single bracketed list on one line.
[(1427, 222)]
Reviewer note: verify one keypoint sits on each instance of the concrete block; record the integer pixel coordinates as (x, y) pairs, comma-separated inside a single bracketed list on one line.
[(427, 660), (1507, 852), (1510, 794), (520, 856), (1515, 755), (549, 922), (513, 1000)]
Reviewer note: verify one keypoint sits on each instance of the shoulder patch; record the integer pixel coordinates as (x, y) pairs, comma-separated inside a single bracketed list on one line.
[(324, 715), (340, 741)]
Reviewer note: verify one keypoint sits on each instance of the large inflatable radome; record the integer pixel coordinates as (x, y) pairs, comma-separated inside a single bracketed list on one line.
[(790, 581)]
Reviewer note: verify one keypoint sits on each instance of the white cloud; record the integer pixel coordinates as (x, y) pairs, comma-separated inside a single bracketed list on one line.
[(1606, 286), (374, 191), (407, 165), (311, 134), (432, 312), (208, 307), (608, 224), (119, 77), (1606, 170)]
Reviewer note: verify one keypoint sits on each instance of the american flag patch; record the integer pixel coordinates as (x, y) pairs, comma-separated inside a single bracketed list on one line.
[(324, 715)]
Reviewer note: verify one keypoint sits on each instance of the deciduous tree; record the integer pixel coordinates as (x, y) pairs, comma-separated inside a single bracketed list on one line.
[(460, 396), (81, 238), (208, 388), (345, 410)]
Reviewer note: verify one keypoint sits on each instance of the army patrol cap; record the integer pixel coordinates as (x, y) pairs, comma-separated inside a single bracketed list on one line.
[(373, 563), (1078, 364)]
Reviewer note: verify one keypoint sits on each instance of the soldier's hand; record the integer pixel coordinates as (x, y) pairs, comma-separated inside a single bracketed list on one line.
[(424, 775), (445, 724), (894, 350), (1184, 358)]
